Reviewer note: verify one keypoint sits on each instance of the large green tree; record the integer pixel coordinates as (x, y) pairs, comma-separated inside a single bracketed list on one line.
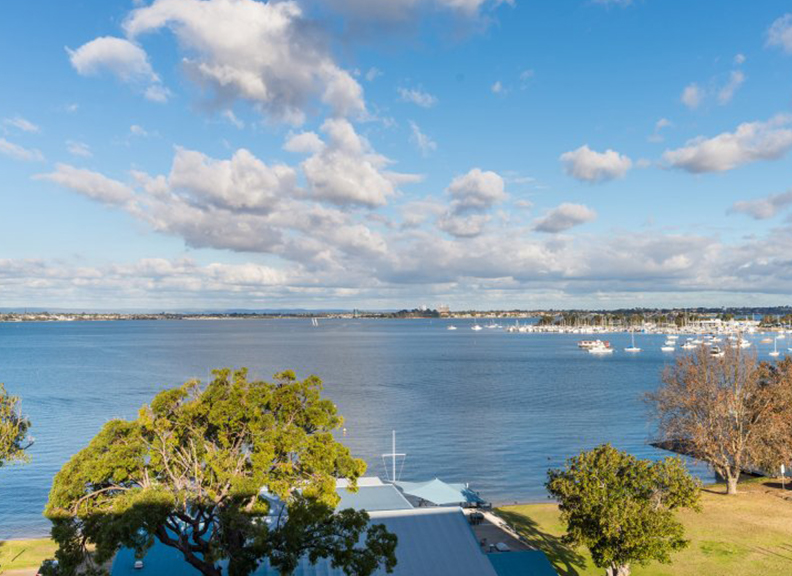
[(14, 427), (622, 508), (237, 471)]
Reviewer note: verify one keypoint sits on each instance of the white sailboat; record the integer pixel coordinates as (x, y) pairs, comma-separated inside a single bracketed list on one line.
[(314, 322), (476, 328), (775, 351), (632, 347)]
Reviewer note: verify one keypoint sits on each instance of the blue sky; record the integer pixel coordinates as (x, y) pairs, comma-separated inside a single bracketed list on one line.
[(380, 154)]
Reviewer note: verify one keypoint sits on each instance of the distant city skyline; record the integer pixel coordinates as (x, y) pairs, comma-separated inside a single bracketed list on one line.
[(485, 154)]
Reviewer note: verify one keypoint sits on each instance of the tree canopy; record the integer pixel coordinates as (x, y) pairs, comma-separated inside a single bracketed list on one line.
[(622, 508), (237, 471), (732, 412), (14, 428)]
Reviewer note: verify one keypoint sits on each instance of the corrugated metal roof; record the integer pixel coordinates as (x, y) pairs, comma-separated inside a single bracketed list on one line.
[(373, 498), (432, 542)]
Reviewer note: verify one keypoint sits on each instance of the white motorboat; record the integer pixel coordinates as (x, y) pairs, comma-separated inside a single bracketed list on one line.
[(476, 328), (451, 328), (716, 352), (668, 348)]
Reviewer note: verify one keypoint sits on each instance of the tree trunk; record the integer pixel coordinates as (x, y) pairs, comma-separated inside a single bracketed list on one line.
[(731, 484), (623, 570)]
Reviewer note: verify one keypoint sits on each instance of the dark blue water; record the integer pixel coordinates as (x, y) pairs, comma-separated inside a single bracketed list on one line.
[(490, 408)]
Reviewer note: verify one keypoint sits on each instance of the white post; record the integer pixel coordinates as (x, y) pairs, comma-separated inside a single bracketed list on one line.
[(393, 454)]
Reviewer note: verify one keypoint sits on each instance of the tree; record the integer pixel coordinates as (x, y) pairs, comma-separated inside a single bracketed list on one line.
[(237, 470), (622, 508), (731, 412), (14, 440)]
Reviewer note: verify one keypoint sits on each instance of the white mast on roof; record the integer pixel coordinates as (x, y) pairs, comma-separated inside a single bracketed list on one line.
[(393, 477)]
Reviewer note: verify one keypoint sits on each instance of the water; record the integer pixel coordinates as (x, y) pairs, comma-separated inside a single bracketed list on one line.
[(490, 408)]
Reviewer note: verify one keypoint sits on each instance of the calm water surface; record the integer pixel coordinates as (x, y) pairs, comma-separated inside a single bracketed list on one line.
[(490, 408)]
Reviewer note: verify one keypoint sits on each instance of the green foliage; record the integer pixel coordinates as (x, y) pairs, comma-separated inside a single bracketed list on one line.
[(189, 470), (13, 430), (621, 508)]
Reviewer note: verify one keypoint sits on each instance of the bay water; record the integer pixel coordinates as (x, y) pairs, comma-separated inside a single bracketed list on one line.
[(491, 408)]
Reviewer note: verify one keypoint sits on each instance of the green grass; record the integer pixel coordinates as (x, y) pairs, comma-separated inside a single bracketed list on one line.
[(18, 554), (743, 535)]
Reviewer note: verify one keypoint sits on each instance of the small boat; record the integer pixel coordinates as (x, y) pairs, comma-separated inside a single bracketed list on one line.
[(689, 345), (602, 348), (775, 351), (668, 348), (766, 341), (632, 347), (314, 322), (476, 328), (716, 352), (452, 327)]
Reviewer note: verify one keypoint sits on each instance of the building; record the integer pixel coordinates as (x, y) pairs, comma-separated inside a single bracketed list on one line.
[(433, 541)]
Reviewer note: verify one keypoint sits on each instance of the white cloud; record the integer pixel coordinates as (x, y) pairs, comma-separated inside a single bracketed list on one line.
[(780, 33), (232, 119), (373, 73), (660, 125), (304, 143), (564, 217), (136, 130), (20, 152), (80, 149), (21, 124), (497, 88), (125, 60), (476, 191), (260, 52), (750, 142), (590, 166), (347, 170), (243, 183), (692, 96), (421, 141), (763, 208), (417, 96), (377, 13), (739, 59), (736, 79), (89, 183), (459, 226)]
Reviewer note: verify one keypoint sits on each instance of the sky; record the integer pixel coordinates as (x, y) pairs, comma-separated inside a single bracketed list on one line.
[(380, 154)]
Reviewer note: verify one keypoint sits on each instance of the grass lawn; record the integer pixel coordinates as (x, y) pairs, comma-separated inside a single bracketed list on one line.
[(747, 534), (16, 554)]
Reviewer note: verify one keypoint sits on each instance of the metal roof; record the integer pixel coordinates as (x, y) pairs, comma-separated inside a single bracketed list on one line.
[(373, 498), (438, 492), (432, 542)]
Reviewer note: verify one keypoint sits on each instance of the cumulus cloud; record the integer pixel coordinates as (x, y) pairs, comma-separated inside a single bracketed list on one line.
[(763, 208), (346, 170), (590, 166), (90, 184), (692, 96), (564, 217), (420, 140), (750, 142), (123, 59), (21, 124), (497, 88), (780, 33), (18, 152), (472, 195), (261, 52), (417, 96)]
